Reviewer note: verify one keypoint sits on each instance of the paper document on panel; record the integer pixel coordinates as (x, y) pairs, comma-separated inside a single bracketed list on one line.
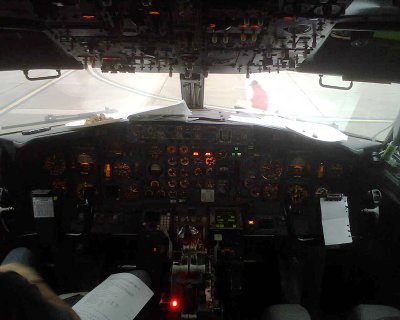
[(335, 221), (120, 297)]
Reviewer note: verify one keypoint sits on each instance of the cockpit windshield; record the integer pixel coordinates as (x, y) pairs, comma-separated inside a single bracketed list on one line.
[(80, 94)]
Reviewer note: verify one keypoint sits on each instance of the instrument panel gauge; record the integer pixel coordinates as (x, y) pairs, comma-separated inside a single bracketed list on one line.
[(183, 195), (297, 167), (271, 170), (131, 191), (155, 170), (156, 133), (250, 180), (184, 183), (297, 193), (155, 184), (82, 188), (210, 160), (335, 170), (222, 154), (55, 164), (155, 152), (60, 185), (172, 194), (172, 161), (122, 169), (255, 192), (210, 184), (172, 183), (184, 172), (171, 172), (271, 191), (184, 161), (198, 171), (86, 163), (160, 193), (171, 149), (183, 149)]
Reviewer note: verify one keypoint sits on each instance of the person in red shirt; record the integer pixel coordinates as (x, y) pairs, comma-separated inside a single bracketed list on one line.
[(260, 98)]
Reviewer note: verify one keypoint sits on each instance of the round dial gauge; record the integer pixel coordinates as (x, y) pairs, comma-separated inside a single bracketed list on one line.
[(271, 170), (122, 169), (271, 191), (55, 164), (184, 161), (210, 160), (172, 183), (297, 193), (183, 149), (184, 183), (131, 191), (172, 172), (172, 161), (171, 149)]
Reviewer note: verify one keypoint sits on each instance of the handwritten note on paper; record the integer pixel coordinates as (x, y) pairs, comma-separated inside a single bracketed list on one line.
[(120, 297)]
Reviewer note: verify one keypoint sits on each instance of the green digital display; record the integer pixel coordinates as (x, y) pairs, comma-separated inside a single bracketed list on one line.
[(226, 220)]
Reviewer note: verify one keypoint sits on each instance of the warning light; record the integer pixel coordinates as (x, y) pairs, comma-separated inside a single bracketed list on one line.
[(107, 170), (174, 304), (196, 154), (321, 170), (154, 13), (250, 222), (213, 25), (208, 154), (88, 17)]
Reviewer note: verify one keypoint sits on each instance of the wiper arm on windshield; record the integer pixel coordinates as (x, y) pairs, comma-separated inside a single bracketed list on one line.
[(61, 117), (56, 118)]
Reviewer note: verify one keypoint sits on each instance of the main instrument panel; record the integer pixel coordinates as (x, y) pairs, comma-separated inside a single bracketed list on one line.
[(176, 168)]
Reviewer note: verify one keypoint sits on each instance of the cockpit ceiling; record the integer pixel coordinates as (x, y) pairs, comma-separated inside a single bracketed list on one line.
[(192, 37), (155, 36)]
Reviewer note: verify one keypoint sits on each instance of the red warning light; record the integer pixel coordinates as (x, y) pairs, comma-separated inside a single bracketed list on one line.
[(154, 13), (213, 25), (196, 154), (88, 17), (174, 304), (208, 154)]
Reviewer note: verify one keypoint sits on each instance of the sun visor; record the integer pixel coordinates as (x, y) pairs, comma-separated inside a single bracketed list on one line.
[(29, 50), (358, 55)]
